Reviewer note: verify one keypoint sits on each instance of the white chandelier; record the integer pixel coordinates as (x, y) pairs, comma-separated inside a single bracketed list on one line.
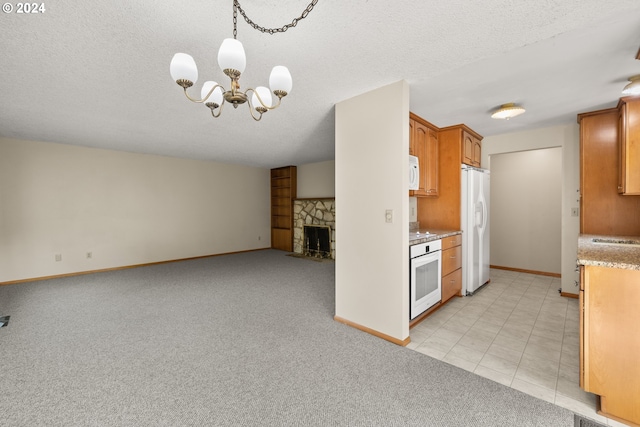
[(232, 61)]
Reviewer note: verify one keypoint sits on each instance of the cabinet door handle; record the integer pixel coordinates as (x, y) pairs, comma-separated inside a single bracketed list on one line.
[(452, 257)]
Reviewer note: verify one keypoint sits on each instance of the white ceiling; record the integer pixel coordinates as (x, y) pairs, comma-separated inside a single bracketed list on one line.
[(96, 73)]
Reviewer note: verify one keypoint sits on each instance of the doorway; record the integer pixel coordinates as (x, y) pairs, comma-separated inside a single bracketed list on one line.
[(526, 210)]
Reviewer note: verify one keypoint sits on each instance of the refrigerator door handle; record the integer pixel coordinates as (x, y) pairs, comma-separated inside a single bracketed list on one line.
[(483, 205), (479, 212)]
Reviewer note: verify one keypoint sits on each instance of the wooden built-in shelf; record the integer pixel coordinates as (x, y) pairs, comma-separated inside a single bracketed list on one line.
[(283, 192)]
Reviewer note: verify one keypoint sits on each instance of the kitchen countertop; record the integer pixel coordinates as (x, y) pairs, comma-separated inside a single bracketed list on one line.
[(429, 234), (609, 254)]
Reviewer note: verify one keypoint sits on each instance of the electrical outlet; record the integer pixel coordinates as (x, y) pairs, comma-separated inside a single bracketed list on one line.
[(58, 257), (388, 215), (89, 255), (575, 211)]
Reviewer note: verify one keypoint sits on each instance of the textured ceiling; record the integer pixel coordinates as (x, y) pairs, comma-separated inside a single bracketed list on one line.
[(97, 73)]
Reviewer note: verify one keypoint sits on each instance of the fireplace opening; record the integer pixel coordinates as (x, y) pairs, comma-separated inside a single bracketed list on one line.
[(317, 241)]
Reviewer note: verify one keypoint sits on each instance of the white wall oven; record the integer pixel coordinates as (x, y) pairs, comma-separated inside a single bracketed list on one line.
[(425, 276)]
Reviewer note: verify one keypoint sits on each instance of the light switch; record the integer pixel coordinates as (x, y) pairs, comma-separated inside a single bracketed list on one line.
[(388, 215)]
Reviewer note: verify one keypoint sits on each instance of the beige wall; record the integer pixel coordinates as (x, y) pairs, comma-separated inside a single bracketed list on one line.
[(567, 137), (125, 208), (317, 180), (372, 260), (526, 207)]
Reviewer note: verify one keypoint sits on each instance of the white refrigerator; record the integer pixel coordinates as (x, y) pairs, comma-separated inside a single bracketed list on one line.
[(475, 228)]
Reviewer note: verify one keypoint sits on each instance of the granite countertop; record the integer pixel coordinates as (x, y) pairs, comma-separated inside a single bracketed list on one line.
[(429, 234), (607, 253)]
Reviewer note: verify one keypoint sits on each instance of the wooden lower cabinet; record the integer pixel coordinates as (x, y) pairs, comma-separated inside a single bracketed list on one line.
[(609, 339), (450, 275), (451, 260), (451, 267), (452, 285)]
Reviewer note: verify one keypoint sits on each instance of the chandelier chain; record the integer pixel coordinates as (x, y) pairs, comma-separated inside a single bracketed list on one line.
[(237, 7), (235, 20)]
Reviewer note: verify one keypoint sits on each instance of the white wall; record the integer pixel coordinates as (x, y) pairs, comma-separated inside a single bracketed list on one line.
[(125, 208), (317, 180), (372, 260), (526, 207), (567, 137)]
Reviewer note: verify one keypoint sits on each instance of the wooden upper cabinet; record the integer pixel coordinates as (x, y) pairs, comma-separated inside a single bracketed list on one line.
[(471, 149), (467, 148), (423, 143), (629, 146), (602, 209), (477, 151), (431, 176), (412, 150)]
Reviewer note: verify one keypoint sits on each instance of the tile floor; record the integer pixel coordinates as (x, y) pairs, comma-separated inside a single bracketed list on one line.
[(518, 331)]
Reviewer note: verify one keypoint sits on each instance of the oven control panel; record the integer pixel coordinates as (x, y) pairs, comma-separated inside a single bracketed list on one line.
[(425, 248)]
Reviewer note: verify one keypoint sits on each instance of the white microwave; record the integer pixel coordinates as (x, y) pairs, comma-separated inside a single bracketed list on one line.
[(414, 173)]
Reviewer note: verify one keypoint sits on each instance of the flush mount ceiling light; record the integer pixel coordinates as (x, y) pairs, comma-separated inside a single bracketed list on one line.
[(507, 111), (232, 61), (633, 88)]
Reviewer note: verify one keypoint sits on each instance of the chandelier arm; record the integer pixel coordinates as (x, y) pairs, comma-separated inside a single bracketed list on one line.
[(219, 110), (203, 100), (262, 104), (257, 119), (273, 107), (272, 31)]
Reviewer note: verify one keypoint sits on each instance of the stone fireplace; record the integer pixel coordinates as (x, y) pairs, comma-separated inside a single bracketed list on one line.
[(319, 238)]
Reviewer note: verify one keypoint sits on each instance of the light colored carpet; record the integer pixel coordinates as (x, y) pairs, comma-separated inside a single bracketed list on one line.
[(245, 339), (580, 421)]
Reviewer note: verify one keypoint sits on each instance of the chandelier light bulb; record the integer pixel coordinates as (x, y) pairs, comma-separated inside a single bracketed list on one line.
[(215, 97), (231, 55), (265, 96), (280, 80), (183, 67)]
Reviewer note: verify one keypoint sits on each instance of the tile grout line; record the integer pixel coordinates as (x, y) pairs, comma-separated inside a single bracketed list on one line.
[(508, 285), (530, 333), (501, 327), (566, 309), (522, 353)]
